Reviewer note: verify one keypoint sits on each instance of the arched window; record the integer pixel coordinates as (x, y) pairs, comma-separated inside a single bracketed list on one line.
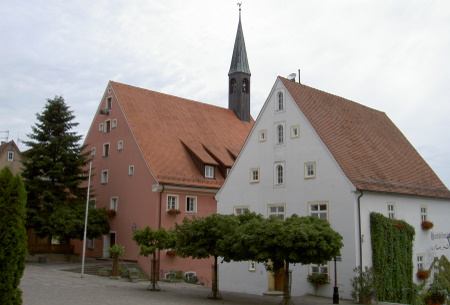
[(280, 134), (232, 85), (280, 101), (280, 174), (245, 85)]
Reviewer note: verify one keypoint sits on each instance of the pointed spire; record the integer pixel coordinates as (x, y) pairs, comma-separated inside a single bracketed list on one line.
[(239, 61)]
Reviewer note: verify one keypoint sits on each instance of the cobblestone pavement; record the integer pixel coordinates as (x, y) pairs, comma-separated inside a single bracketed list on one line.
[(47, 284)]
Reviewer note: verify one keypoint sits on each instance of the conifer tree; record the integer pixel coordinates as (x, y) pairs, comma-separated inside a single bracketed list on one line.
[(54, 170), (13, 236)]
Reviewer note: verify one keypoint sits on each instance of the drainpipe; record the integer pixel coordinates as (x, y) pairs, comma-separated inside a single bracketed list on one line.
[(360, 233)]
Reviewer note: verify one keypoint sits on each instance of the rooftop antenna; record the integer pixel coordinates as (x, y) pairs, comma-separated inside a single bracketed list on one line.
[(299, 76), (7, 135)]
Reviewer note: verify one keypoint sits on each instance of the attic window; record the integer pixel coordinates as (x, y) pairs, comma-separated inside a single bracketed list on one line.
[(11, 155), (108, 103), (107, 126), (310, 170), (209, 171), (262, 135), (280, 101)]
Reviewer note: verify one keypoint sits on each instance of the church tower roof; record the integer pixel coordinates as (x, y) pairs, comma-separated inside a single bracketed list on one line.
[(239, 61)]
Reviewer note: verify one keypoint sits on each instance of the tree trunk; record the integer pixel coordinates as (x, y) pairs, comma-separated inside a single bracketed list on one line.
[(215, 295), (287, 291), (115, 268)]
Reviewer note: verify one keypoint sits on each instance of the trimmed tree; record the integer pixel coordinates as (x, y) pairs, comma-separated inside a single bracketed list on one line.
[(54, 170), (296, 240), (13, 236), (205, 237), (151, 240)]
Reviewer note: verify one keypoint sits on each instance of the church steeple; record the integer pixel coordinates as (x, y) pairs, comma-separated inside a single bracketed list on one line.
[(239, 77)]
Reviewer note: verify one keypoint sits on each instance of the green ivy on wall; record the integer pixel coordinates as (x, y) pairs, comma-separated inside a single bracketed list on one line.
[(392, 259)]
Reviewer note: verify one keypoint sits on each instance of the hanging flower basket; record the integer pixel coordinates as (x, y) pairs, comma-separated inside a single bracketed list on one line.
[(171, 252), (423, 274), (173, 212), (110, 213), (426, 225)]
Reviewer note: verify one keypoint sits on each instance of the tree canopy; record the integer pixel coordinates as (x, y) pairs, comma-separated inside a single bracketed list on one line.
[(54, 170), (13, 236)]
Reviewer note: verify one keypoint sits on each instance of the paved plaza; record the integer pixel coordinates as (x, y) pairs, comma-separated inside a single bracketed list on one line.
[(48, 284)]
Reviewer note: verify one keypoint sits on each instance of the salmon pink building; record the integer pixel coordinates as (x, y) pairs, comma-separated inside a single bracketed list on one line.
[(158, 158)]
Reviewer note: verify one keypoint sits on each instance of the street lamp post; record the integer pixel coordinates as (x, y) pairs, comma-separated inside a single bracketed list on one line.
[(336, 288)]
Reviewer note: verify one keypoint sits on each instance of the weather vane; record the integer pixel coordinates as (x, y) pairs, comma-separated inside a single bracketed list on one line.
[(239, 4)]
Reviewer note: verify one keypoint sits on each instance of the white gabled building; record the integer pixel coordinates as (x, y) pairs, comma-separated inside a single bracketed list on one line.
[(314, 153)]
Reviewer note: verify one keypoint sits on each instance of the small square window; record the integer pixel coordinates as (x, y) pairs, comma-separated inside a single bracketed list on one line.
[(104, 176), (319, 210), (263, 135), (254, 175), (191, 204), (113, 204), (114, 123), (119, 145), (240, 210), (131, 170), (310, 170), (93, 151), (209, 171), (295, 131), (11, 155), (252, 266), (100, 127), (277, 210), (419, 262), (172, 202)]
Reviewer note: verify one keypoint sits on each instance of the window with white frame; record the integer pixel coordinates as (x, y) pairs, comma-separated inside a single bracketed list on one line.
[(100, 127), (419, 262), (280, 134), (191, 204), (119, 145), (319, 210), (209, 171), (114, 123), (240, 210), (252, 266), (172, 202), (11, 155), (423, 213), (310, 170), (391, 210), (254, 175), (104, 176), (263, 135), (319, 269), (114, 203), (280, 101), (131, 170), (106, 150), (107, 126), (190, 276), (108, 104), (277, 210), (279, 174), (295, 131), (93, 151)]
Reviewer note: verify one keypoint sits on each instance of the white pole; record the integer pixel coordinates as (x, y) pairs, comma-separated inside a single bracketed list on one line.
[(86, 219)]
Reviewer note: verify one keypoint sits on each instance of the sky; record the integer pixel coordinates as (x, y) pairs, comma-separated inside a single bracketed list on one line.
[(390, 55)]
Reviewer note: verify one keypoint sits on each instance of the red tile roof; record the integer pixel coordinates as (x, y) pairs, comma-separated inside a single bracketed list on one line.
[(169, 129), (370, 149)]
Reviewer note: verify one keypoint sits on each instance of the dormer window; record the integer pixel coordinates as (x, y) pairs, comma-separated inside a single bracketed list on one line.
[(209, 171)]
